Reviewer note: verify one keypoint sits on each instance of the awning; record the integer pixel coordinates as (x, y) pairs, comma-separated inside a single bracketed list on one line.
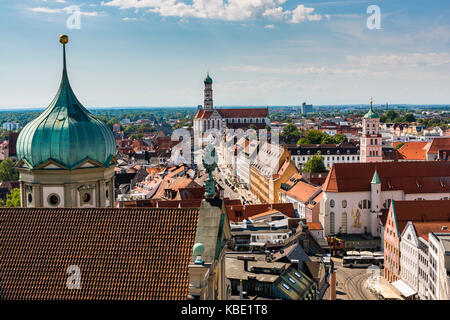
[(404, 288), (258, 244)]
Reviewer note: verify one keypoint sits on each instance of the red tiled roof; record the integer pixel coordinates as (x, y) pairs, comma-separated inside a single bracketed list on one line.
[(121, 253), (237, 213), (314, 226), (151, 203), (424, 228), (234, 113), (244, 113), (191, 193), (301, 191), (413, 150), (439, 144), (421, 211), (412, 177)]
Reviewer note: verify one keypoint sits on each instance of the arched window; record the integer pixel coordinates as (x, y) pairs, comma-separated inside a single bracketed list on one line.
[(332, 231), (332, 203), (344, 222)]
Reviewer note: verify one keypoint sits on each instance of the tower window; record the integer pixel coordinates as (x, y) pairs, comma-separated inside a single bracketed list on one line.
[(30, 198), (86, 197), (53, 199)]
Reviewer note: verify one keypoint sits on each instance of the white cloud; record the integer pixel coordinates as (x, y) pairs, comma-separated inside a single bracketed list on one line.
[(269, 26), (312, 70), (410, 60), (277, 13), (44, 10), (129, 19), (302, 13), (62, 10), (229, 10)]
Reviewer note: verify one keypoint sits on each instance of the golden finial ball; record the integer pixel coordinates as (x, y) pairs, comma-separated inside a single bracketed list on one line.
[(63, 39)]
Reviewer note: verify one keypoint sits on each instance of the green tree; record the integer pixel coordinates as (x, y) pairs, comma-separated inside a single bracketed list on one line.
[(13, 199), (339, 138), (290, 133), (327, 139), (7, 171), (314, 137), (314, 164), (410, 117), (391, 115)]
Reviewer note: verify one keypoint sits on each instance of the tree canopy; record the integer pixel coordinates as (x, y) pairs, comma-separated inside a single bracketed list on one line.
[(290, 133), (7, 171), (314, 164), (12, 199), (318, 137)]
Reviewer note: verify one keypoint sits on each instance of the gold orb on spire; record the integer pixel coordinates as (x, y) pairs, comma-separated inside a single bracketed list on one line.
[(64, 39)]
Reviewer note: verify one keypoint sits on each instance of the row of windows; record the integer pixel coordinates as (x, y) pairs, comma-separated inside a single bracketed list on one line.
[(332, 203), (328, 152), (343, 158)]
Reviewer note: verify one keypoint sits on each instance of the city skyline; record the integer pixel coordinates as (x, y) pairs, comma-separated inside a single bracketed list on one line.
[(273, 52)]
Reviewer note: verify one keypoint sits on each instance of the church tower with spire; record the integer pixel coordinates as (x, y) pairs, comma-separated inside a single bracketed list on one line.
[(66, 156), (371, 141), (208, 102)]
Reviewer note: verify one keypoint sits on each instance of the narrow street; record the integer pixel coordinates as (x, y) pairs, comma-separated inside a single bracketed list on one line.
[(220, 175), (351, 283)]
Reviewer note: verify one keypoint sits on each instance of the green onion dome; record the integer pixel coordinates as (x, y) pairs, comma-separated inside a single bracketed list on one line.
[(66, 132), (208, 79)]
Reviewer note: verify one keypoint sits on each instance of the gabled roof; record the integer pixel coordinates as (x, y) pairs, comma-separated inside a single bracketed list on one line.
[(427, 211), (121, 253), (412, 177), (438, 144)]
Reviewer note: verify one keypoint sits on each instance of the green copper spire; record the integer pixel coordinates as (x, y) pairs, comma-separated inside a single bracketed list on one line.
[(208, 79), (371, 114), (376, 178), (66, 132)]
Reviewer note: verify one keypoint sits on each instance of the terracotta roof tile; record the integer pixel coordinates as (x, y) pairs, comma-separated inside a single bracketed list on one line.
[(314, 226), (301, 191), (414, 150), (121, 253), (424, 228), (438, 144)]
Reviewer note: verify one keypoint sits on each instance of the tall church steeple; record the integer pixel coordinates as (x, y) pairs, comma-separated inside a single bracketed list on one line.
[(208, 102)]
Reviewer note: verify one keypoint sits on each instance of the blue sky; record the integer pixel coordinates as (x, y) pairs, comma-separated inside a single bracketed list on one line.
[(259, 52)]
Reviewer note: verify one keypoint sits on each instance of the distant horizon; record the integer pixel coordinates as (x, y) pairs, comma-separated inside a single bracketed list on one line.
[(444, 105)]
